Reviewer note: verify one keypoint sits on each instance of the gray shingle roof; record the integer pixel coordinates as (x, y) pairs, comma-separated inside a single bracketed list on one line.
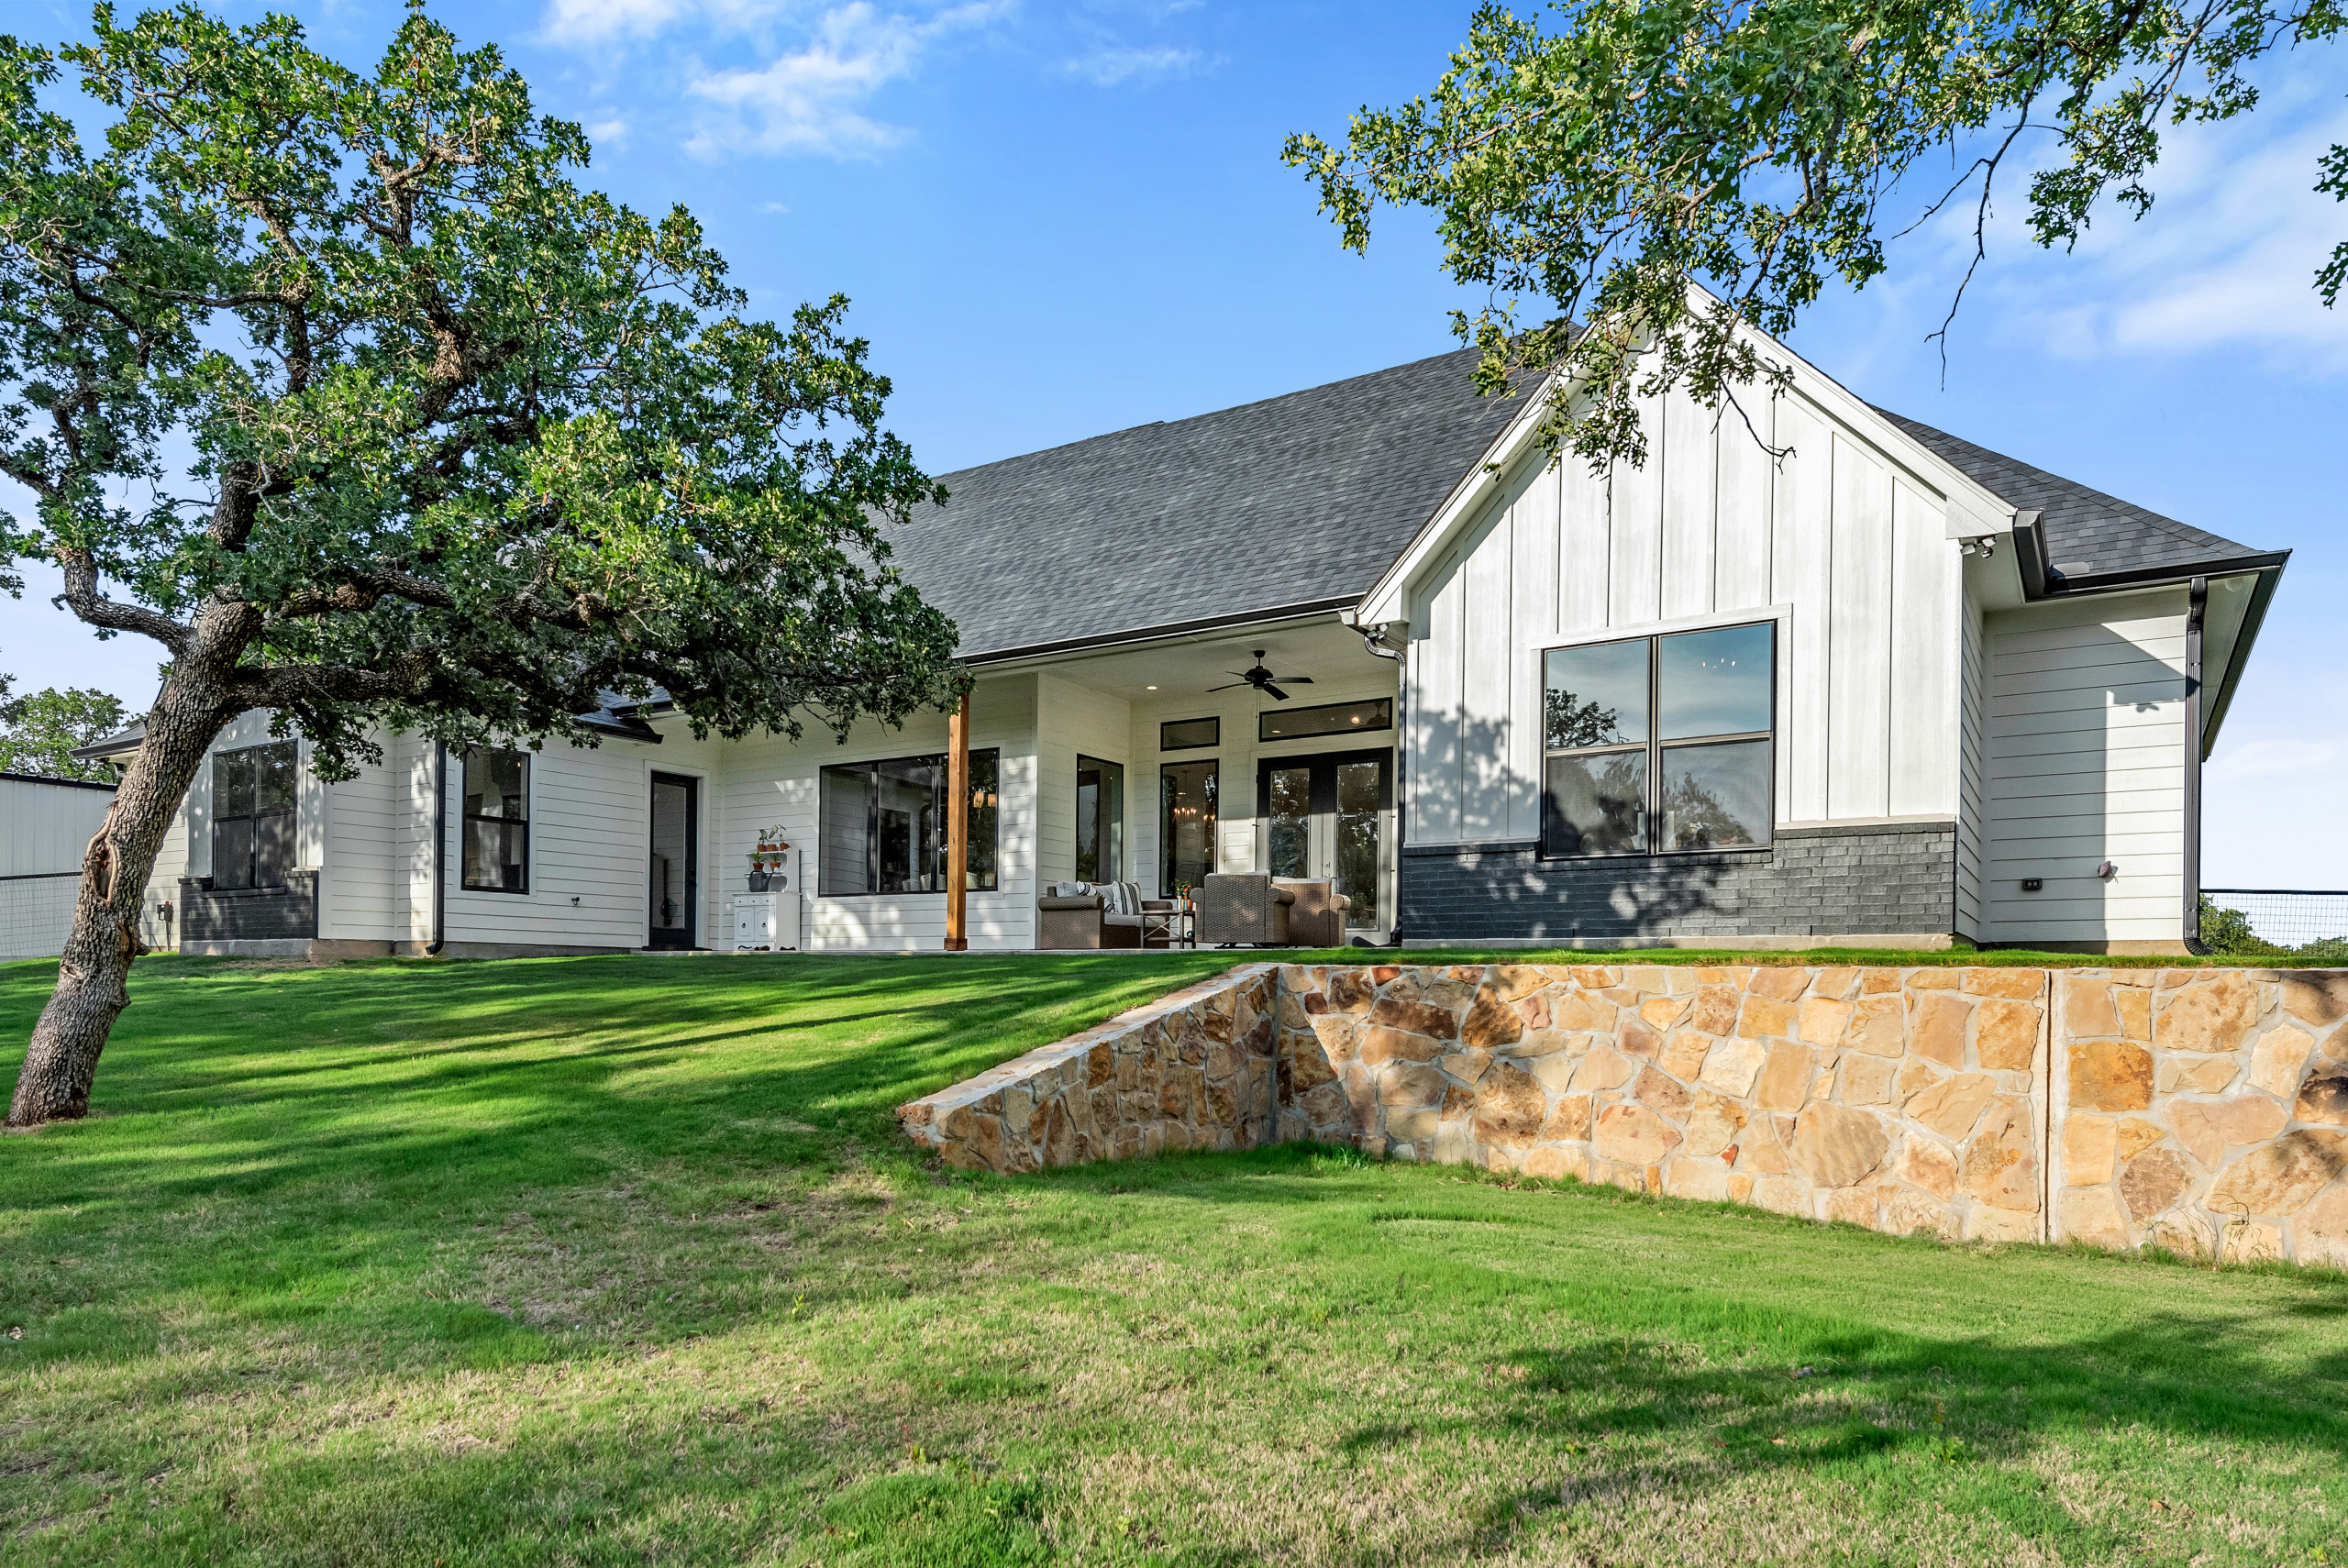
[(2088, 534), (1296, 500)]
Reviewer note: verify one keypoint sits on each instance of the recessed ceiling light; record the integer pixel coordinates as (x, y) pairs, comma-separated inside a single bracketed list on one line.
[(1149, 689)]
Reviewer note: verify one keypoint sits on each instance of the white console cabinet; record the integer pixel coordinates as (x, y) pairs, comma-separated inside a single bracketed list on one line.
[(769, 921)]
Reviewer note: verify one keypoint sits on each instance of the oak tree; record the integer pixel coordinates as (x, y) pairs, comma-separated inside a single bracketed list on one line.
[(474, 448), (1637, 183)]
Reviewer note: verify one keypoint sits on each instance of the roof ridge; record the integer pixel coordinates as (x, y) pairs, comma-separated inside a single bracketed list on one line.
[(1212, 412)]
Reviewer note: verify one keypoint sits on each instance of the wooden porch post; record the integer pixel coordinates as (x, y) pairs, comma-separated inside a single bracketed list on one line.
[(957, 823)]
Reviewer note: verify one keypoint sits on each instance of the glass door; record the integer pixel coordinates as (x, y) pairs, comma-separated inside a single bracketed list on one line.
[(1186, 792), (676, 855), (1323, 822), (1100, 821)]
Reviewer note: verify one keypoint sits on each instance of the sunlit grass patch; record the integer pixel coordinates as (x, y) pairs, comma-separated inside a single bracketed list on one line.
[(620, 1260)]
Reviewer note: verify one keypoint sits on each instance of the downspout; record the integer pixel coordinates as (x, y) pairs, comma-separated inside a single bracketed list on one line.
[(439, 850), (2199, 603), (1373, 638)]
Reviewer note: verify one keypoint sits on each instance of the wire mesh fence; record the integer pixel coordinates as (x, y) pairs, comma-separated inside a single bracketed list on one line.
[(2276, 921)]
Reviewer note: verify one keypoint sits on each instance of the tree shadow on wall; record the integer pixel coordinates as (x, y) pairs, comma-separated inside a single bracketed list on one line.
[(1522, 895)]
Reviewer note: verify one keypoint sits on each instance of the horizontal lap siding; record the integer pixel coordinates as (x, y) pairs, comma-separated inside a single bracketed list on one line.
[(589, 821), (1972, 779), (773, 782), (363, 890), (2086, 723), (1074, 720)]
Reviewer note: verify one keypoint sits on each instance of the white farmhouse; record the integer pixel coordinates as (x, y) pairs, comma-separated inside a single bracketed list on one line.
[(1886, 688)]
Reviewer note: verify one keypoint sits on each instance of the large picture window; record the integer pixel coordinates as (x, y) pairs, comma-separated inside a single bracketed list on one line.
[(252, 815), (497, 822), (1659, 745), (884, 826)]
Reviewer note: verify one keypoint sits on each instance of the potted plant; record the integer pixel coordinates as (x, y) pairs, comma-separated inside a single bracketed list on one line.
[(766, 858)]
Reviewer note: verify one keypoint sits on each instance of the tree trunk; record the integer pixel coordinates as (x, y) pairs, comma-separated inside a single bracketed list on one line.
[(61, 1062)]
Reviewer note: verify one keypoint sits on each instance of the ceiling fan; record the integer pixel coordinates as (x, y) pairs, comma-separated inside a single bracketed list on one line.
[(1263, 679)]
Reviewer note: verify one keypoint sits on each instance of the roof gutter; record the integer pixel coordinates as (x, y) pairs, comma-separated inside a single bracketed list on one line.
[(2042, 580), (2197, 612), (2252, 618), (1311, 609)]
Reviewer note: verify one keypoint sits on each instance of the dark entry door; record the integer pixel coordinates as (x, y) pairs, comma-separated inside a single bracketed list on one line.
[(676, 858), (1324, 821)]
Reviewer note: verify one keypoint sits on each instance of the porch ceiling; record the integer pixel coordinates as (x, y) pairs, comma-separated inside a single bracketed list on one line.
[(1327, 650)]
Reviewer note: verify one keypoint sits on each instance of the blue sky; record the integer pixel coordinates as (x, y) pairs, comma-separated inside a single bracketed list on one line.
[(1061, 218)]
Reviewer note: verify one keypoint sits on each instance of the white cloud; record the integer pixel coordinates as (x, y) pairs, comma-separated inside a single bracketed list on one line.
[(2226, 259), (593, 21), (807, 99), (580, 22), (1108, 67), (610, 131)]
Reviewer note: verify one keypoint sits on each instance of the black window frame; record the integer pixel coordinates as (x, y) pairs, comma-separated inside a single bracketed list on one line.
[(1654, 745), (1268, 714), (1109, 826), (986, 808), (467, 816), (1166, 867), (1210, 743), (253, 817)]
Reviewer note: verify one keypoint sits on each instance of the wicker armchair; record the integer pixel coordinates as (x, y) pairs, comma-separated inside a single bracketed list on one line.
[(1243, 908), (1318, 917)]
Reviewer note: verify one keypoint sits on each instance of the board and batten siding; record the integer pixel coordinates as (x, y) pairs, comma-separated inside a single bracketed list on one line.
[(2086, 764), (1839, 543)]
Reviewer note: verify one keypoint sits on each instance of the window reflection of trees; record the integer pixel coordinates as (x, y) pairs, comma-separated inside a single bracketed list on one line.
[(1573, 724), (1697, 818)]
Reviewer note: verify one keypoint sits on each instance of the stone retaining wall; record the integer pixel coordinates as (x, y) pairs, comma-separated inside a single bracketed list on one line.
[(1899, 1100), (1187, 1071), (2202, 1110)]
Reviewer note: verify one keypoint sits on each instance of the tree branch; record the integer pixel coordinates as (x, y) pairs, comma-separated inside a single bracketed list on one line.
[(82, 597)]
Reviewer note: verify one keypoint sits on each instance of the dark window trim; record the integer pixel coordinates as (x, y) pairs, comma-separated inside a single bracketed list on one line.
[(253, 842), (1123, 857), (691, 783), (1654, 745), (1268, 714), (1214, 719), (466, 815), (873, 826), (1166, 826)]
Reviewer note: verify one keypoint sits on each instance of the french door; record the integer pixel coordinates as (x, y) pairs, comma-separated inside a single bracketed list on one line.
[(676, 860), (1324, 820)]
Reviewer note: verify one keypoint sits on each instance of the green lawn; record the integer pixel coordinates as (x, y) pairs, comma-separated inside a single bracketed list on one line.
[(620, 1260)]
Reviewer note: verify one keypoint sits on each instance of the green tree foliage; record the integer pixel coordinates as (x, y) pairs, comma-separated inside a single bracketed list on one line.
[(38, 733), (474, 447), (1593, 170), (2228, 931)]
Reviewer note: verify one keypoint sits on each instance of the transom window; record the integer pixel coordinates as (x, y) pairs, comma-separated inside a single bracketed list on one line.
[(1656, 745), (252, 815), (884, 826), (1328, 719), (497, 822)]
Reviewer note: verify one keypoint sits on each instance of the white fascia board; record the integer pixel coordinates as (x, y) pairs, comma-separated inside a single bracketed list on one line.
[(1386, 600)]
